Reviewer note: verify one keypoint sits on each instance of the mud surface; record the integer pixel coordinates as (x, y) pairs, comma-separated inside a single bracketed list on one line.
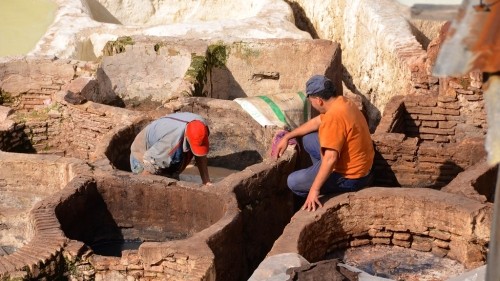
[(399, 263)]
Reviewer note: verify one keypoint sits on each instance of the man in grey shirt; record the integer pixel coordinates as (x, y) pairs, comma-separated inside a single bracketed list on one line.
[(167, 145)]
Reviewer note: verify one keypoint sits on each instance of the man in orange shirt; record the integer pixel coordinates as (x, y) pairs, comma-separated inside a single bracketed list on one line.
[(338, 142)]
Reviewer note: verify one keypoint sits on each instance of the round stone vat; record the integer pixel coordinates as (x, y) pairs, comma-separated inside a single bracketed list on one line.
[(236, 140), (149, 226), (112, 213), (31, 241), (45, 131), (442, 224), (24, 181)]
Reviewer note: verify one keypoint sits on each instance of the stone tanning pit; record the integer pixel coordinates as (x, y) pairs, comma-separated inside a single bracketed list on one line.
[(441, 225), (114, 210), (118, 226), (236, 140), (136, 226), (25, 182)]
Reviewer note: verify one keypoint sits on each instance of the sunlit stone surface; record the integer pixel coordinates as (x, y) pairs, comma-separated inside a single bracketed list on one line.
[(81, 28), (23, 23)]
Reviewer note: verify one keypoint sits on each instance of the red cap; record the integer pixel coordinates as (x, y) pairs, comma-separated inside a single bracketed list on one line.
[(197, 136)]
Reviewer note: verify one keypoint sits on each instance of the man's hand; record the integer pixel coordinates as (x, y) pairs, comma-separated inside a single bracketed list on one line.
[(281, 147), (311, 201), (209, 183)]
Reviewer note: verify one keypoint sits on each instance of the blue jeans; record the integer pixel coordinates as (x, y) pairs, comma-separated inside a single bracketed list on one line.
[(300, 181)]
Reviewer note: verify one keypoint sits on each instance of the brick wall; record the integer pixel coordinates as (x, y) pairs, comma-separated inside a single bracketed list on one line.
[(30, 83), (427, 137), (64, 129), (440, 243)]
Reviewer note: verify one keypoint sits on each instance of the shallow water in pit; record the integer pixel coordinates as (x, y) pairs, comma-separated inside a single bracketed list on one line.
[(23, 23), (399, 263), (191, 174)]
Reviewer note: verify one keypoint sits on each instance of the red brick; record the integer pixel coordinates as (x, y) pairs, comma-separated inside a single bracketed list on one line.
[(465, 92), (421, 244), (445, 111), (359, 242), (433, 117), (430, 124), (451, 105), (440, 252), (402, 236), (474, 98), (447, 124), (385, 241), (441, 244), (427, 102), (440, 234), (437, 131), (419, 110), (401, 243), (431, 160)]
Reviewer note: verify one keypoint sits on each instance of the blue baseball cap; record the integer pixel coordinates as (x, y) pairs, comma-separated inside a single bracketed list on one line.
[(317, 84)]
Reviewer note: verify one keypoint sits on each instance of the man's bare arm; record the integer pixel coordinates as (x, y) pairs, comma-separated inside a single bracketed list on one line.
[(202, 164), (304, 129)]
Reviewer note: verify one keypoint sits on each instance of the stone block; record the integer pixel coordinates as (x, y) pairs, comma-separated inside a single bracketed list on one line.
[(385, 241), (385, 234), (431, 160), (359, 242), (476, 84), (440, 252), (430, 124), (450, 105), (465, 92), (448, 96), (447, 124), (445, 111), (442, 235), (419, 110), (437, 131), (433, 117), (397, 227), (441, 244), (403, 170), (421, 244), (474, 98), (402, 236), (401, 243)]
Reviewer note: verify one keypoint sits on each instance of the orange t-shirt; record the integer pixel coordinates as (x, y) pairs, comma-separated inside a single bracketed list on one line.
[(344, 128)]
